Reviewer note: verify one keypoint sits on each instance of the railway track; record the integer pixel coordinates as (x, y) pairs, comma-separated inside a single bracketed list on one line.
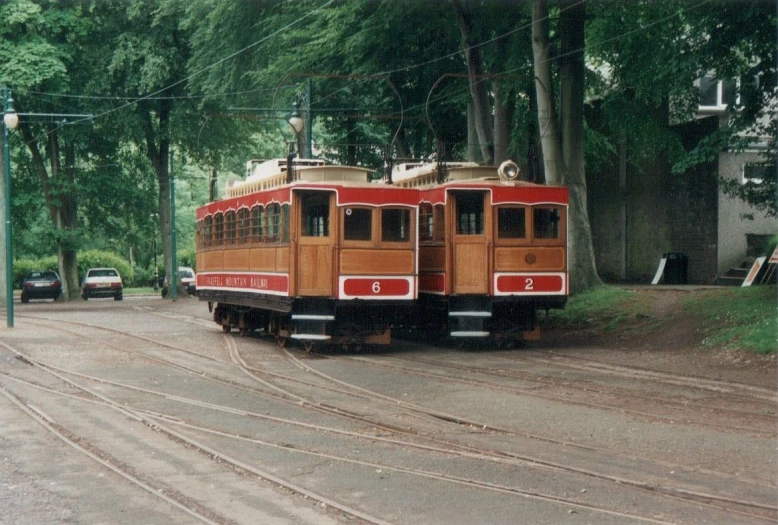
[(742, 508)]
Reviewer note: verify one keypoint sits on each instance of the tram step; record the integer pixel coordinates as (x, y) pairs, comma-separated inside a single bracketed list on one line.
[(470, 314), (469, 334)]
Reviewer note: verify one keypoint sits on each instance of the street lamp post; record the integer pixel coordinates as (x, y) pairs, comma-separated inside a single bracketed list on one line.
[(10, 121)]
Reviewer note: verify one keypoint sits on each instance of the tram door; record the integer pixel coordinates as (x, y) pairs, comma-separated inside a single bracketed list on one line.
[(470, 249), (315, 244)]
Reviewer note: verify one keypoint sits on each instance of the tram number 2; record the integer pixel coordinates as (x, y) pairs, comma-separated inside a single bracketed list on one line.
[(529, 283)]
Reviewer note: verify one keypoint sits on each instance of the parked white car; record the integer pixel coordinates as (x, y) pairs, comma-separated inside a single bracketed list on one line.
[(102, 282), (186, 276)]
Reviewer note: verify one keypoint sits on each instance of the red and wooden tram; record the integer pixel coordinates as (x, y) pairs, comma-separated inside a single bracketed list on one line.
[(314, 253), (492, 249)]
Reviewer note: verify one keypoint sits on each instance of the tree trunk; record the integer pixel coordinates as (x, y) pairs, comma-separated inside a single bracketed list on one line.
[(475, 73), (58, 190), (473, 151), (501, 127), (547, 119), (563, 152), (159, 156)]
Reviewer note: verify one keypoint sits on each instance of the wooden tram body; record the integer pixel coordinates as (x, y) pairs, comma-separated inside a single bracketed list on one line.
[(318, 254), (492, 250)]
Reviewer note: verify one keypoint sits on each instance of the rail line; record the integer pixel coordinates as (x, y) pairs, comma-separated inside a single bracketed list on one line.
[(237, 359)]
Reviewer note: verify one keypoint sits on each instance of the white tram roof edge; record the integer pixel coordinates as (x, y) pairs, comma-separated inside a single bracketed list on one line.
[(425, 173), (263, 175)]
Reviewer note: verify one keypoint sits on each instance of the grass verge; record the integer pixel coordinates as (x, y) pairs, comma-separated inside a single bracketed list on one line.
[(607, 307), (737, 318)]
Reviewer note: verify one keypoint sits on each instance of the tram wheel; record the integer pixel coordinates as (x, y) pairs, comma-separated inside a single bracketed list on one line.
[(243, 331), (281, 341), (226, 328), (309, 346)]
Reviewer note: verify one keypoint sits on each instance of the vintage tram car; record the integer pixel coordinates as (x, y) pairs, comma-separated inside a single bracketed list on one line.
[(309, 252), (492, 250)]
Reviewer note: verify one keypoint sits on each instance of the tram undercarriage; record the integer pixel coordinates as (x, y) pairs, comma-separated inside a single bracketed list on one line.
[(503, 320), (309, 321)]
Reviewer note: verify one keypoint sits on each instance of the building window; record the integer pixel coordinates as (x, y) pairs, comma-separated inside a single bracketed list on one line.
[(755, 172), (358, 224), (395, 225), (716, 93)]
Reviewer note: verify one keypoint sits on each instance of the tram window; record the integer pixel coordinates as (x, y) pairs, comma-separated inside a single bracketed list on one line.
[(285, 223), (470, 214), (316, 215), (546, 223), (426, 222), (205, 233), (257, 223), (511, 223), (243, 225), (358, 224), (273, 223), (395, 225), (439, 231), (230, 237), (218, 230)]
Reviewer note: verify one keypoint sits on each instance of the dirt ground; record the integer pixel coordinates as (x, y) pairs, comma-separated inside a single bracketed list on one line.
[(668, 338)]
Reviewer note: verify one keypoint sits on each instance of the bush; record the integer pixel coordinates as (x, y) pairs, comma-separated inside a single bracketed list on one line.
[(24, 266), (100, 259)]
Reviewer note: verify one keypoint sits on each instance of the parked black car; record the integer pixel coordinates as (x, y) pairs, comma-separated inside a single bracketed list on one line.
[(41, 285)]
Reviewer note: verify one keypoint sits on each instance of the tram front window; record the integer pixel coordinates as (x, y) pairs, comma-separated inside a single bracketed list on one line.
[(546, 223), (395, 225), (470, 214), (316, 215), (511, 223), (357, 224)]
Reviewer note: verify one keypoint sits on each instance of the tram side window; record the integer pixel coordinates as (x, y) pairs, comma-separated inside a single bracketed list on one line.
[(257, 223), (218, 230), (243, 225), (470, 214), (511, 223), (426, 222), (395, 225), (273, 223), (231, 227), (316, 215), (285, 223), (205, 232), (546, 223), (358, 224)]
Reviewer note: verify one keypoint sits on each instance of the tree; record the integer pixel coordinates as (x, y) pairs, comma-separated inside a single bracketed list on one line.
[(37, 47), (563, 140)]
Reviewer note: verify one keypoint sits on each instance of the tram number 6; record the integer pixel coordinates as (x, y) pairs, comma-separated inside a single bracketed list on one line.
[(529, 283), (377, 287)]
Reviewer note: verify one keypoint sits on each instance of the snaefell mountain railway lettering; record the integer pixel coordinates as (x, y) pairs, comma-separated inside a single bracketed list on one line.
[(237, 281)]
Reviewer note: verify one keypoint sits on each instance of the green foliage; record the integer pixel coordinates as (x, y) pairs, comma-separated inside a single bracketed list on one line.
[(100, 259), (23, 266), (738, 318)]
